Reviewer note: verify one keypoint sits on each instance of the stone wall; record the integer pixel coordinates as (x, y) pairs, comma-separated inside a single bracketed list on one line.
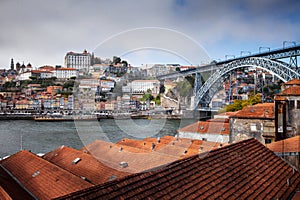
[(241, 129)]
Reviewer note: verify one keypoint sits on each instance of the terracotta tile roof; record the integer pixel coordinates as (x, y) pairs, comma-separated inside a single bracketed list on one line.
[(169, 145), (290, 91), (42, 178), (10, 189), (4, 195), (139, 156), (138, 160), (88, 166), (293, 82), (258, 111), (280, 98), (207, 127), (287, 145), (221, 120), (226, 114), (243, 170), (296, 196), (67, 69)]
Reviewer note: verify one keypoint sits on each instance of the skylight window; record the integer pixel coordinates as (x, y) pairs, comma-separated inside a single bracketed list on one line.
[(123, 164), (76, 160), (35, 173)]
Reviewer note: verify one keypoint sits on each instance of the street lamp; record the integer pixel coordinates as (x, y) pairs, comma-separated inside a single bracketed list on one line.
[(264, 48), (249, 52), (292, 42)]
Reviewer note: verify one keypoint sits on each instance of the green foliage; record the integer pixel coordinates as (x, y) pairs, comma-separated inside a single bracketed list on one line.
[(184, 88), (157, 100), (69, 84), (65, 94), (191, 80), (146, 97), (240, 104)]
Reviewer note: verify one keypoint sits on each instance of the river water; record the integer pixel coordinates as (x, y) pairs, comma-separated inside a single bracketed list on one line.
[(42, 137)]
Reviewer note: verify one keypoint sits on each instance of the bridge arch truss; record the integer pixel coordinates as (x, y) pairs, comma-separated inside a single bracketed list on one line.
[(205, 94)]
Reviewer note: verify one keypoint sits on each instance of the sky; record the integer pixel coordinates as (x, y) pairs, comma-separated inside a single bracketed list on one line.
[(143, 32)]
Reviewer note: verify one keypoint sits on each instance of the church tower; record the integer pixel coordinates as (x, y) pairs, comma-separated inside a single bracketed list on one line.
[(12, 65)]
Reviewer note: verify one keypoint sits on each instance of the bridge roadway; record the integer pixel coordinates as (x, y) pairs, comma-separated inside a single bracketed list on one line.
[(282, 53)]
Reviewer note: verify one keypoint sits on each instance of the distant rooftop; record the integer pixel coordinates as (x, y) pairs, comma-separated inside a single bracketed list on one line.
[(258, 111), (287, 145)]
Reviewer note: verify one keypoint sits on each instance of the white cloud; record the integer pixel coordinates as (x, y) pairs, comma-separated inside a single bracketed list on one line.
[(43, 31)]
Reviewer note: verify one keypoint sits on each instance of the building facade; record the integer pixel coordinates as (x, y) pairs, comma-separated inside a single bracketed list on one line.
[(255, 121), (287, 107), (142, 86), (78, 60), (65, 73)]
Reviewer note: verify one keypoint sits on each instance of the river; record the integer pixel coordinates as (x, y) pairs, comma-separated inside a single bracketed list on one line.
[(42, 137)]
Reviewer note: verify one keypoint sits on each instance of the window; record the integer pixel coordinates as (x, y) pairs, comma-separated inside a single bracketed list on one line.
[(291, 104), (253, 127), (298, 104), (268, 141), (204, 139)]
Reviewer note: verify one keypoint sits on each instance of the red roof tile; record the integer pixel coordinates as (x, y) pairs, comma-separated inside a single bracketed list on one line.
[(258, 111), (4, 195), (207, 127), (137, 159), (280, 98), (42, 178), (146, 154), (243, 170), (291, 91), (293, 82), (88, 166), (287, 145)]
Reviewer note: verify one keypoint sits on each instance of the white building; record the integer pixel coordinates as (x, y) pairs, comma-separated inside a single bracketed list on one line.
[(216, 130), (42, 74), (91, 84), (106, 85), (78, 60), (142, 86), (65, 73), (35, 73), (24, 76)]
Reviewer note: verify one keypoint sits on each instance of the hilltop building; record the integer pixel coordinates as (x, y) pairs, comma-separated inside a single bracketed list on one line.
[(78, 60)]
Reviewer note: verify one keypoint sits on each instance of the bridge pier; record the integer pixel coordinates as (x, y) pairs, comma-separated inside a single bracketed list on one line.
[(197, 86)]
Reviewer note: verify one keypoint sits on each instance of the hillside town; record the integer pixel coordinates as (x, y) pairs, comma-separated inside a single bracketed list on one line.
[(89, 84), (220, 156)]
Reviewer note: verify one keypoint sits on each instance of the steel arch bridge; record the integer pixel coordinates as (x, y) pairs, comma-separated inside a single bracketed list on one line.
[(204, 94)]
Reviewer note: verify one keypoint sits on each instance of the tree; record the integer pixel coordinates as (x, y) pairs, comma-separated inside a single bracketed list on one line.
[(162, 89), (240, 104), (33, 77), (116, 60)]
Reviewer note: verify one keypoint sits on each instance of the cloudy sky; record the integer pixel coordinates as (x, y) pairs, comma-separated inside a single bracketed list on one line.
[(152, 31)]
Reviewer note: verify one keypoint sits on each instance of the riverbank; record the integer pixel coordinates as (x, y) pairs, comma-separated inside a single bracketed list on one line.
[(50, 118)]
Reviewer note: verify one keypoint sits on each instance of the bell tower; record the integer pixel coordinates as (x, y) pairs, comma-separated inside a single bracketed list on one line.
[(12, 65)]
